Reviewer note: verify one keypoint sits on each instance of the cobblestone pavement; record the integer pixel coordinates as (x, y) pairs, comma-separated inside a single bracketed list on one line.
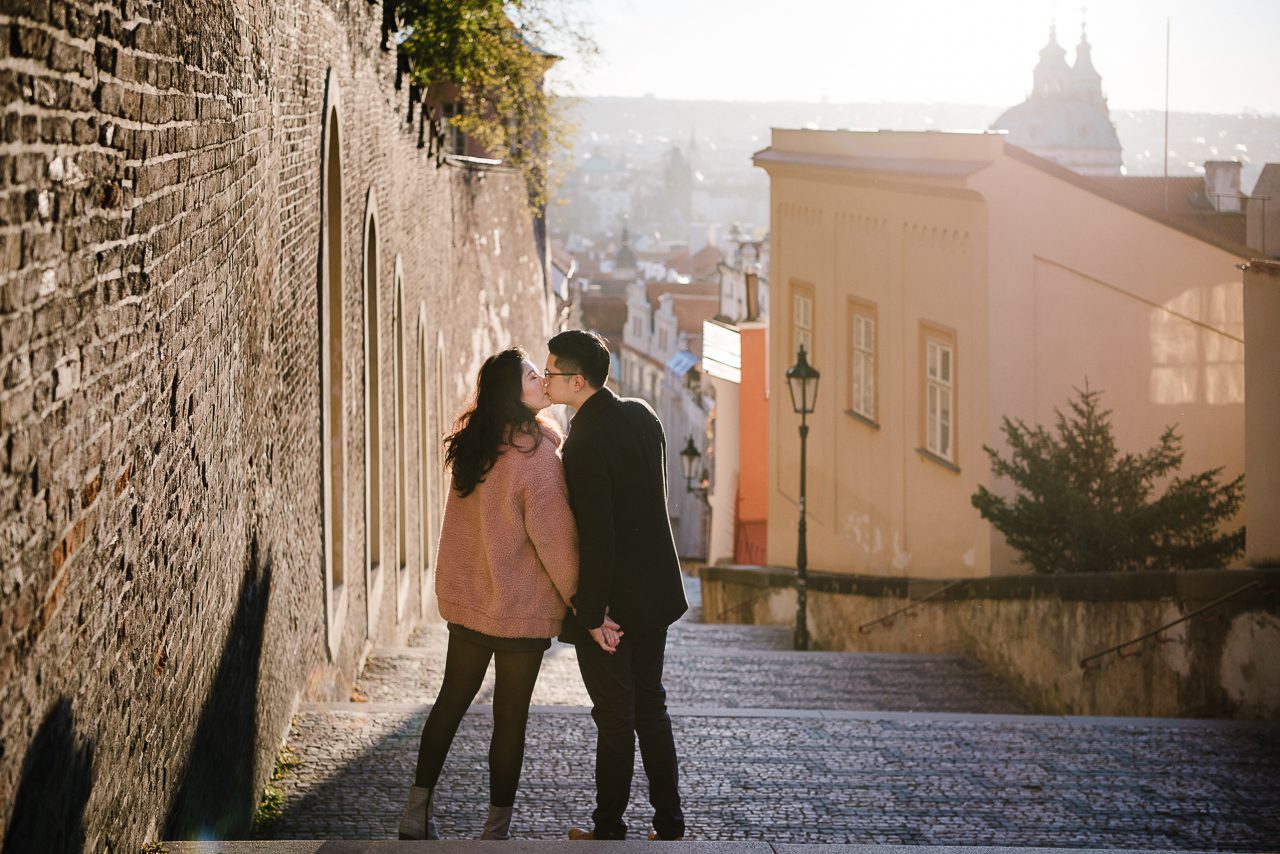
[(897, 779), (795, 747), (712, 676)]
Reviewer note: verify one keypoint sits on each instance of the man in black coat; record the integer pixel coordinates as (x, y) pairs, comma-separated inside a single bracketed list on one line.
[(629, 584)]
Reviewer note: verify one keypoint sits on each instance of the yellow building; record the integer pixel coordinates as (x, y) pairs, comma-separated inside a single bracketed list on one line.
[(942, 281)]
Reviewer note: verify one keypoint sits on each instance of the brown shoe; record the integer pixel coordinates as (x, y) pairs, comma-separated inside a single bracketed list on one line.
[(578, 834)]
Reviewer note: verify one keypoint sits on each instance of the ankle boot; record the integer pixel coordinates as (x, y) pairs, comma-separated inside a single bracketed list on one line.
[(498, 824), (417, 821)]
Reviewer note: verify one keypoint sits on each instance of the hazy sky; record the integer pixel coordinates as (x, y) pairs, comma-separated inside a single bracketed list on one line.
[(924, 51)]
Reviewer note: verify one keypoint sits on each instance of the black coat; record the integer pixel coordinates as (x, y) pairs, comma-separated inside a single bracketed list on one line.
[(615, 463)]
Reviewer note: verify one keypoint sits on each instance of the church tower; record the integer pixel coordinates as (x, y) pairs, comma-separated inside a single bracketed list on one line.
[(1065, 118)]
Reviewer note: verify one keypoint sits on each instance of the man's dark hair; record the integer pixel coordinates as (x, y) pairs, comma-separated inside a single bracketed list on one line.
[(583, 353)]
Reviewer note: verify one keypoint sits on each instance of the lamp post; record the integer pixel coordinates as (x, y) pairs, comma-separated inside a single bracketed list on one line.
[(802, 380), (689, 459)]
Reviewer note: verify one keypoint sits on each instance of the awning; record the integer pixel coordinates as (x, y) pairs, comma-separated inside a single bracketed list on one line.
[(681, 362)]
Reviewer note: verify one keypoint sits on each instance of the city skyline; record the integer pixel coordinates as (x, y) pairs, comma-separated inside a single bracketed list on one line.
[(973, 54)]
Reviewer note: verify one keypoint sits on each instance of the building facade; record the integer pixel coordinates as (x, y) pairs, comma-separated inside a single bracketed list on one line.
[(735, 358), (660, 361), (240, 309), (944, 281)]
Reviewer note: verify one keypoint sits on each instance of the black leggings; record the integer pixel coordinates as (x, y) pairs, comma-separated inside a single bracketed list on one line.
[(464, 669)]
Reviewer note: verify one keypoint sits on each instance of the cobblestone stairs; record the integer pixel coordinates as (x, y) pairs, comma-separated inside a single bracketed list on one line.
[(780, 748)]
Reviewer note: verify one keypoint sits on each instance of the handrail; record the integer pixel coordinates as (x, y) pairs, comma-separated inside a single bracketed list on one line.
[(738, 606), (1087, 667), (888, 618)]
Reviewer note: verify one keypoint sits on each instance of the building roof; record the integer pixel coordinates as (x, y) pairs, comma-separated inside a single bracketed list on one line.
[(1187, 202), (700, 266), (654, 290), (691, 310), (1214, 228), (950, 158)]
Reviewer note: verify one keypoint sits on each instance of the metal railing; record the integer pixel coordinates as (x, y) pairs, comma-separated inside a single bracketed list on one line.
[(887, 619), (745, 603), (1093, 662)]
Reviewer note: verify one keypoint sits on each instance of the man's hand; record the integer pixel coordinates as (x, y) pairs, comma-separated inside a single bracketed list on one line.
[(608, 635)]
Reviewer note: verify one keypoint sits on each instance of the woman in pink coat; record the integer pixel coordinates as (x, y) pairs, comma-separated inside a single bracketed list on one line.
[(506, 570)]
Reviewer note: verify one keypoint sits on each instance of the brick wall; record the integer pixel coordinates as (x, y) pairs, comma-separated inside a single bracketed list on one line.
[(162, 567)]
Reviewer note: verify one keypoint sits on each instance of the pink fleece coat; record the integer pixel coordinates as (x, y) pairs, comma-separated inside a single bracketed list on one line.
[(507, 564)]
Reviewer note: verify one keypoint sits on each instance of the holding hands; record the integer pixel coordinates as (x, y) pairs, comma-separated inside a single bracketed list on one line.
[(608, 635)]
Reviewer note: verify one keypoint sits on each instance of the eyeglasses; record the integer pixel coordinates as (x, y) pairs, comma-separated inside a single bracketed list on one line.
[(549, 374)]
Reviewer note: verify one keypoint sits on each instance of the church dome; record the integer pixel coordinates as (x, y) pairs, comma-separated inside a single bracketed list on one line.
[(1036, 124), (1065, 118)]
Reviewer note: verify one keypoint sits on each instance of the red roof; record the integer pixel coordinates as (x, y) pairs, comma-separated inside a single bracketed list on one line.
[(653, 290), (691, 310)]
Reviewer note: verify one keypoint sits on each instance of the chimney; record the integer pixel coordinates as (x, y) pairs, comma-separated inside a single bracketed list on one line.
[(1261, 412), (751, 282), (1262, 217), (1222, 185)]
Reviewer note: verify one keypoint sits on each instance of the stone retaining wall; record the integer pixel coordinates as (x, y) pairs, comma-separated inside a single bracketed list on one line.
[(1034, 631)]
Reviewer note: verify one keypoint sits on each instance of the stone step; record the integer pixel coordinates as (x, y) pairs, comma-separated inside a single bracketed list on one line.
[(733, 677), (837, 777), (682, 633)]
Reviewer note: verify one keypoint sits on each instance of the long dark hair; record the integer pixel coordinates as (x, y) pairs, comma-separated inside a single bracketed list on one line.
[(498, 415)]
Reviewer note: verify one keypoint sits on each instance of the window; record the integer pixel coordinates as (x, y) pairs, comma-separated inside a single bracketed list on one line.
[(862, 359), (455, 141), (801, 320), (938, 348)]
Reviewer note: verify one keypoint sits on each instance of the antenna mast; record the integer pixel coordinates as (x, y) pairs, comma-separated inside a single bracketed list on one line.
[(1166, 115)]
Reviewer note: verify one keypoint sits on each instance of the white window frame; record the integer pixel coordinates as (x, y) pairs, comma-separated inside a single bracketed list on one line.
[(802, 301), (940, 397), (863, 363)]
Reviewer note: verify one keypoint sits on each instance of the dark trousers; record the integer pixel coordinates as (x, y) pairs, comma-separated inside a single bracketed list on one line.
[(628, 701), (514, 676)]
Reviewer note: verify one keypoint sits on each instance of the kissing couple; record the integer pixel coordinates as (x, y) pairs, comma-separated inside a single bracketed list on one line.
[(544, 536)]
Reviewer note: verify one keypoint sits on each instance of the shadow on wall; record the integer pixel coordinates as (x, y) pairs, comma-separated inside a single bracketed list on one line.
[(214, 798), (57, 777)]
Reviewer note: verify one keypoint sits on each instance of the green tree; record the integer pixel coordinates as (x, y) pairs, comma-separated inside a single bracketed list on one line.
[(498, 53), (1082, 506)]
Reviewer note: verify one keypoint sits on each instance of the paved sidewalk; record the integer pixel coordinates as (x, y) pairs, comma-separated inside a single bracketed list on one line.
[(780, 747)]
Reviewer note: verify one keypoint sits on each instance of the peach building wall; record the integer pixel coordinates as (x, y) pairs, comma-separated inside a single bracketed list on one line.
[(1041, 283)]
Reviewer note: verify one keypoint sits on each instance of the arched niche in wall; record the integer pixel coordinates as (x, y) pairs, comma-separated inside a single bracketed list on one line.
[(402, 472), (372, 417), (333, 427)]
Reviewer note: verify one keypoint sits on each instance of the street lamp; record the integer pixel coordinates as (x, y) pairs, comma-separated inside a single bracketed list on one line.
[(802, 379), (689, 459)]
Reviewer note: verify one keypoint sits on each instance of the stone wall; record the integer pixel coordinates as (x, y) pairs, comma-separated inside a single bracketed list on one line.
[(162, 272), (1035, 631)]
